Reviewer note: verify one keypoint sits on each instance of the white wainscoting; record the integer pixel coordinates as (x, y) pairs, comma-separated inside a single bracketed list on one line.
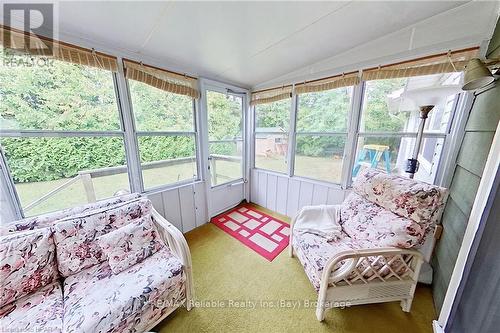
[(184, 206), (286, 195)]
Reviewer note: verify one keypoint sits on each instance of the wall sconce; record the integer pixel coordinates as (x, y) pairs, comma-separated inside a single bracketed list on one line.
[(477, 75)]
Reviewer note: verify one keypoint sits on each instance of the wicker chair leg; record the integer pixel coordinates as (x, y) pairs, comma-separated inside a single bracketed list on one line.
[(406, 304), (320, 307), (320, 312)]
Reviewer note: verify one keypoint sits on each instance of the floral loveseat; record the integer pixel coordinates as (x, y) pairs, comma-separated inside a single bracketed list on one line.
[(384, 221), (81, 270)]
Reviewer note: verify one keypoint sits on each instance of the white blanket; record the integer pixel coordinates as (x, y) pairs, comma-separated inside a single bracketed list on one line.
[(322, 220)]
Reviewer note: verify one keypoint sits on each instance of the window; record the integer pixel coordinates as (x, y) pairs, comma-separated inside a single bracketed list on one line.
[(60, 133), (225, 140), (322, 133), (390, 121), (166, 135), (272, 121)]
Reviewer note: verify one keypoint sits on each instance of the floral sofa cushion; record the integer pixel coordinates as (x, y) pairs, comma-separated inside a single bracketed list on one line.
[(75, 237), (421, 202), (46, 220), (362, 219), (96, 300), (27, 263), (130, 244), (40, 311)]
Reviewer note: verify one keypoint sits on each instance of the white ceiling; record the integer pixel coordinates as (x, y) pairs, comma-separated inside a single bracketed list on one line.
[(260, 43)]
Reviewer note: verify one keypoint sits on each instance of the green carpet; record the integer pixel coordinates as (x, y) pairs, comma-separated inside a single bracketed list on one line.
[(225, 270)]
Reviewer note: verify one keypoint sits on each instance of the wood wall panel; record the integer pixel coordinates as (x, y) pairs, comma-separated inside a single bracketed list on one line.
[(287, 195), (172, 207), (320, 195), (474, 149), (282, 195), (188, 214), (272, 184)]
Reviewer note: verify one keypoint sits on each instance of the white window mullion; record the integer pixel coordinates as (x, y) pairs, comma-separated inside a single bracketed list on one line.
[(352, 134), (130, 137), (292, 135)]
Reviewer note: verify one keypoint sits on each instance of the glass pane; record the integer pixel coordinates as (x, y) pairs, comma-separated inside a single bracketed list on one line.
[(56, 95), (167, 159), (225, 162), (41, 165), (393, 105), (320, 157), (158, 110), (273, 117), (388, 154), (224, 116), (324, 111), (429, 157), (271, 151)]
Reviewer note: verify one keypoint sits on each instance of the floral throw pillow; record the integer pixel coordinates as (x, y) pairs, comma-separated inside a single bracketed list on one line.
[(130, 244), (27, 263)]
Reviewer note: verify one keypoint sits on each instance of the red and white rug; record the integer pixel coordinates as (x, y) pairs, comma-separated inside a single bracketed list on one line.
[(264, 234)]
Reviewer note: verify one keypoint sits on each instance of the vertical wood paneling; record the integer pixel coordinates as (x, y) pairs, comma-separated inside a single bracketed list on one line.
[(188, 216), (306, 194), (335, 196), (172, 207), (293, 197), (200, 204), (262, 189), (320, 195), (282, 195), (479, 131), (157, 201), (272, 183), (254, 186)]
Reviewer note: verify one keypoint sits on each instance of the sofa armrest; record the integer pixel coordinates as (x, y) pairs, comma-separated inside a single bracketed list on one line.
[(382, 263), (175, 240)]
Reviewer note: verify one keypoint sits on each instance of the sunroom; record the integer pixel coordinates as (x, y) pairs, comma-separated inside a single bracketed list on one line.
[(171, 166)]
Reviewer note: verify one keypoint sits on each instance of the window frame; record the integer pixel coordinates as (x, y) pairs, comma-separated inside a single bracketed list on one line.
[(219, 88), (290, 133), (31, 133), (460, 103), (409, 134), (194, 133), (344, 134)]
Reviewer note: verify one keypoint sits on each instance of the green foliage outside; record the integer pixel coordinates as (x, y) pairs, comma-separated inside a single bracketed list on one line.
[(224, 122), (65, 96), (69, 97)]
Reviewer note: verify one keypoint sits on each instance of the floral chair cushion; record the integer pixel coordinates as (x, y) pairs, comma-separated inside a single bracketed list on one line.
[(130, 244), (419, 201), (46, 220), (96, 300), (315, 251), (363, 219), (27, 263), (40, 311), (75, 238)]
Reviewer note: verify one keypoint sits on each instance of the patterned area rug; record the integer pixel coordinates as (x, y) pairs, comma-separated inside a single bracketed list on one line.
[(264, 234)]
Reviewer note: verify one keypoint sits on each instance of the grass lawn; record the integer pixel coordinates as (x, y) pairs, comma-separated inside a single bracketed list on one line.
[(106, 186), (321, 168)]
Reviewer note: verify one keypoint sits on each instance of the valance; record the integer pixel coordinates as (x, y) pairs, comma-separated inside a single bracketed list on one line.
[(35, 45), (453, 61), (271, 95), (333, 82), (162, 79)]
